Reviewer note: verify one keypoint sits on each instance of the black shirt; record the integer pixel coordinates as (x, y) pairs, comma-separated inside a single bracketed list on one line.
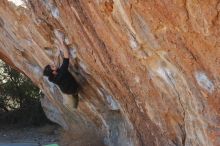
[(64, 79)]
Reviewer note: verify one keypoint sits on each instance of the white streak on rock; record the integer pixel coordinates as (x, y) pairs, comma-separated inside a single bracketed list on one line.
[(146, 32), (73, 53), (137, 79), (66, 40), (113, 104), (59, 35), (167, 75), (83, 66), (100, 93), (133, 43), (119, 6), (25, 42), (138, 103), (52, 8), (49, 52), (55, 12), (18, 3), (37, 71), (204, 81), (51, 85)]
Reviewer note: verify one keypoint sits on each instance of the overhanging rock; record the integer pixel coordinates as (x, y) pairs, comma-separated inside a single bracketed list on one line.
[(149, 69)]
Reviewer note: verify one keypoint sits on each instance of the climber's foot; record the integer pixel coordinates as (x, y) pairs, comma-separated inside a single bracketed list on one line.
[(75, 101)]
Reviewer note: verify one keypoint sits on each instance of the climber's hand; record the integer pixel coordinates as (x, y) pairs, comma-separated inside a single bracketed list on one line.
[(62, 47), (65, 50)]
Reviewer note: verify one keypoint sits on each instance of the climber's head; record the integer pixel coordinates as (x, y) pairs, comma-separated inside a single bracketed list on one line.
[(50, 70)]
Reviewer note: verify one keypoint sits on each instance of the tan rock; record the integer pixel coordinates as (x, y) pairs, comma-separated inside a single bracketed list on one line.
[(149, 69)]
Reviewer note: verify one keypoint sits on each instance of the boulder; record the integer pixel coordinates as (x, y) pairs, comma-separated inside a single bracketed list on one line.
[(149, 69)]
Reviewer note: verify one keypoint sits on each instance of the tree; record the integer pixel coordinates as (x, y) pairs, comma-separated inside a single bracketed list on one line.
[(20, 96), (16, 90)]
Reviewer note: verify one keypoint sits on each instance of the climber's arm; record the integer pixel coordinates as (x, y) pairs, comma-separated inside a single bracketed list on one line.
[(65, 49), (64, 66), (63, 70)]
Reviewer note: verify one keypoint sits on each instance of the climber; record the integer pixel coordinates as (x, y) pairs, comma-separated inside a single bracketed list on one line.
[(62, 77)]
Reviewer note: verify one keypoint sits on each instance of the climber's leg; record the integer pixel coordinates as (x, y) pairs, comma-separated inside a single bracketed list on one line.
[(71, 102), (68, 101), (75, 100)]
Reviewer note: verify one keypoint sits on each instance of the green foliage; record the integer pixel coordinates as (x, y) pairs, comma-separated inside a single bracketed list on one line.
[(16, 90), (19, 98)]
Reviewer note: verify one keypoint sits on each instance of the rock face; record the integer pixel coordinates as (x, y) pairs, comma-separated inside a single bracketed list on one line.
[(149, 69)]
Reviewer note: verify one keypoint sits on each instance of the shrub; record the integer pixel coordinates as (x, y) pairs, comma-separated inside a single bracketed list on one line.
[(19, 98)]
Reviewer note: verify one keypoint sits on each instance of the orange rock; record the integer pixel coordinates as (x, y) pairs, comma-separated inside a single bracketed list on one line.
[(149, 69)]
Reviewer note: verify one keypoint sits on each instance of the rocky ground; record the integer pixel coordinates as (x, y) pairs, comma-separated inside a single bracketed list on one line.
[(47, 134)]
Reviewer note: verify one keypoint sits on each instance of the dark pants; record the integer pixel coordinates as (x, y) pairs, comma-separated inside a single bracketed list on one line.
[(75, 100)]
